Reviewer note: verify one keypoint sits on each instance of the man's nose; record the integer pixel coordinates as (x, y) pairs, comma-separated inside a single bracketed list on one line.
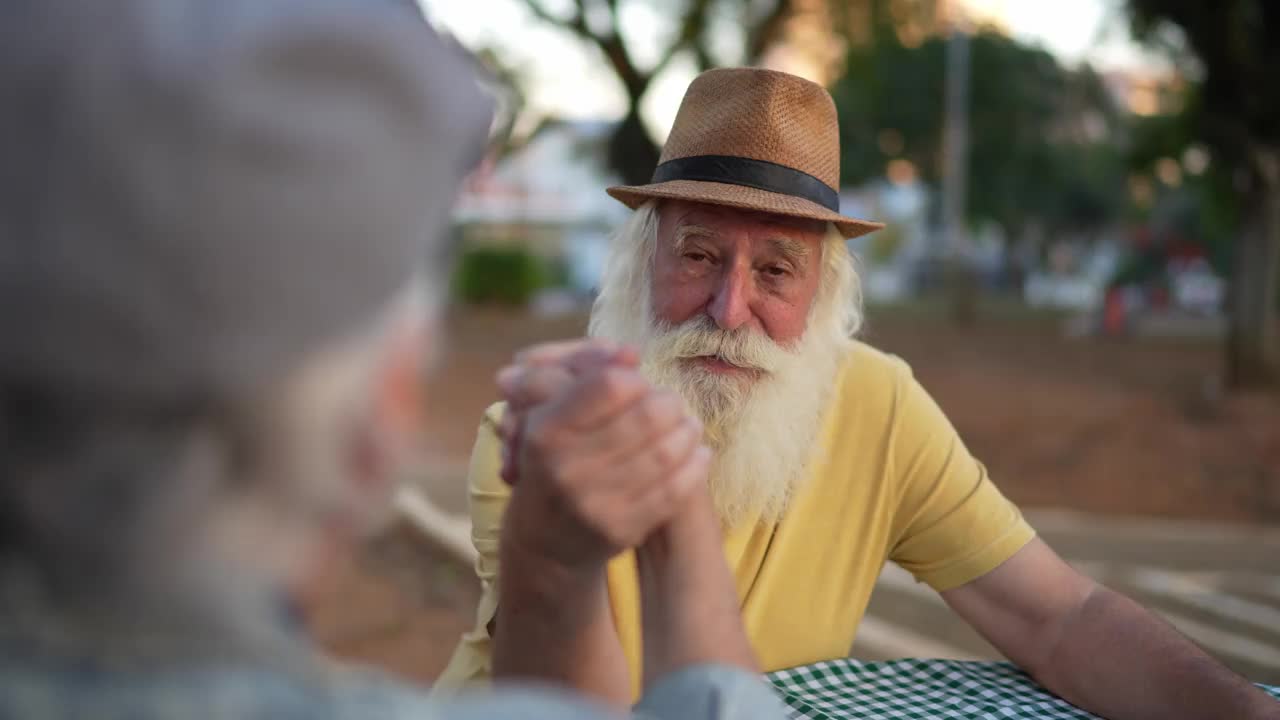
[(730, 307)]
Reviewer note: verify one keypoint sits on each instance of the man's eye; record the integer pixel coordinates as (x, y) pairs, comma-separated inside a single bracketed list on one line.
[(776, 271), (696, 256)]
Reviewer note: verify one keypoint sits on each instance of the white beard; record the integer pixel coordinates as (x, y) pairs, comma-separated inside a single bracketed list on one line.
[(764, 430), (765, 426)]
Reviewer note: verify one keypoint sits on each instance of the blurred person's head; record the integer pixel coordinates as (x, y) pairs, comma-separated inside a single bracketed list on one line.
[(733, 277), (220, 252)]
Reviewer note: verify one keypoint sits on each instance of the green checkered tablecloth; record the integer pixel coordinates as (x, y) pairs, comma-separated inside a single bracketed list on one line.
[(919, 689)]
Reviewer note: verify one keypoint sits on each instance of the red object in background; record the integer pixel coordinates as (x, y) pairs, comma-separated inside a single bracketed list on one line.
[(1185, 251), (1113, 313), (1160, 298), (1141, 237)]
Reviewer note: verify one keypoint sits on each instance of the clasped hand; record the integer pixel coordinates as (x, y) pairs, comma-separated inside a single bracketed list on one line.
[(598, 457)]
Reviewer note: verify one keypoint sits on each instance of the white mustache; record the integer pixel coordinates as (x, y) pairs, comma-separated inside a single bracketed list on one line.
[(700, 337)]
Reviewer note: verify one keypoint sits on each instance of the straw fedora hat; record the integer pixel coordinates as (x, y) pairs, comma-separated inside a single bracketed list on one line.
[(754, 139)]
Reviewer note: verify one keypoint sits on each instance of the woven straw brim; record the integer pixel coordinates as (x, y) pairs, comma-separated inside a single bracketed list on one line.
[(740, 196)]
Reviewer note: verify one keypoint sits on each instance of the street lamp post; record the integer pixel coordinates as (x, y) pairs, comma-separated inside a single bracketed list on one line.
[(955, 173)]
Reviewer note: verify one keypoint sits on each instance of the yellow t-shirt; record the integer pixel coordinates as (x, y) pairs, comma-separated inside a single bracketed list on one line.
[(891, 480)]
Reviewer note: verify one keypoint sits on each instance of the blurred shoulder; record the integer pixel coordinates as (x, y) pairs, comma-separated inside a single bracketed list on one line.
[(483, 474), (493, 414), (209, 693), (374, 696), (490, 421)]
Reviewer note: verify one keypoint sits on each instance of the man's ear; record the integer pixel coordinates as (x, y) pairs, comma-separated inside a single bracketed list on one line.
[(389, 430), (399, 382)]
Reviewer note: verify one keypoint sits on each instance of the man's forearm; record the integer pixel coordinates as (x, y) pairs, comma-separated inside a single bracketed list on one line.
[(1117, 660), (690, 608), (554, 625)]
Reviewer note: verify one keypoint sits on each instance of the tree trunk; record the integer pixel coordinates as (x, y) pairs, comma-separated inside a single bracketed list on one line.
[(768, 30), (632, 153), (1253, 345), (962, 290)]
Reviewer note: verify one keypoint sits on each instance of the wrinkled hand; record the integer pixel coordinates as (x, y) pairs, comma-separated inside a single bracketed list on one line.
[(603, 457), (539, 373)]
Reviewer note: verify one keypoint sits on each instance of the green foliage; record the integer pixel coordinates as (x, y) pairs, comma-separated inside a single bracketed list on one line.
[(1159, 136), (887, 87), (1204, 209), (1031, 155), (1207, 208), (1233, 48), (506, 275), (1236, 44)]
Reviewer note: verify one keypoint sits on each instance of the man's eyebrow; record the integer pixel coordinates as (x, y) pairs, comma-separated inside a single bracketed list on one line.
[(793, 250), (684, 232)]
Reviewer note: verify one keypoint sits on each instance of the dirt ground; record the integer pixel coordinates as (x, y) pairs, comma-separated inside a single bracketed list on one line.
[(399, 605), (1122, 427), (1112, 427)]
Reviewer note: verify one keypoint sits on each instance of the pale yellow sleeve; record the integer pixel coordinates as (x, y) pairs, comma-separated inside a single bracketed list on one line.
[(952, 525), (488, 496)]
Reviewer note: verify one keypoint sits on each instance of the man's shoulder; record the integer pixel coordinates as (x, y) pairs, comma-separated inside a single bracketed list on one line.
[(869, 373), (256, 693), (873, 359)]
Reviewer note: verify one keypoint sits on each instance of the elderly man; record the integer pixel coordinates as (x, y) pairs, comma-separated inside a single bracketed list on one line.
[(211, 214), (733, 280)]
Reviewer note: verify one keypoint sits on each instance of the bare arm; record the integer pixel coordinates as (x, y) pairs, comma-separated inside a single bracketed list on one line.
[(556, 622), (556, 626), (690, 608), (1098, 649), (596, 469)]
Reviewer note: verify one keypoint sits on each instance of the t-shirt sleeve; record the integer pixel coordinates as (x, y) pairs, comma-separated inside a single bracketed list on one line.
[(488, 496), (952, 525)]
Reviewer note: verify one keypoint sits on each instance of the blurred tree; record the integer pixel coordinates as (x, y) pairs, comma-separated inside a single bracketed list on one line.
[(632, 151), (1235, 46), (495, 274), (1201, 207), (507, 83), (815, 30), (1043, 139)]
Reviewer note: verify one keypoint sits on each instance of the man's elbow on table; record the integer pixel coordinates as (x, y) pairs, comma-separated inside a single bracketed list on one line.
[(1098, 649), (1026, 607)]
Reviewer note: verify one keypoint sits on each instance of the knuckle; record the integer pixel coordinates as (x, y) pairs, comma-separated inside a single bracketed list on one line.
[(610, 382), (547, 382), (664, 453), (540, 437), (535, 354), (664, 494), (615, 382), (670, 400), (650, 411), (561, 470), (535, 383), (664, 407)]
